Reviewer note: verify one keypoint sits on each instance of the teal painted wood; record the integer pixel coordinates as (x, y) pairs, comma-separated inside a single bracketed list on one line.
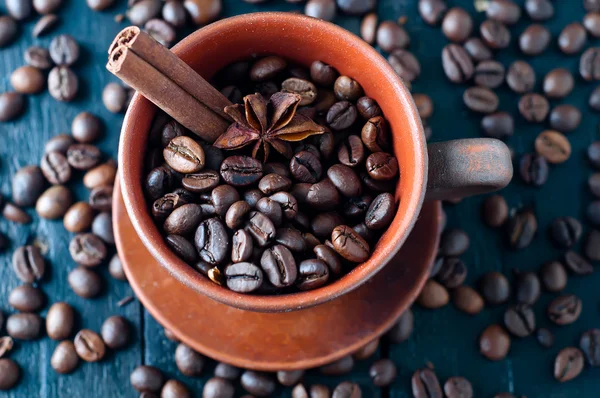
[(445, 337)]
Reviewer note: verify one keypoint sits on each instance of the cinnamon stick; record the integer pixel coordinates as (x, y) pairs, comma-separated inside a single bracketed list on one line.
[(151, 51), (166, 94)]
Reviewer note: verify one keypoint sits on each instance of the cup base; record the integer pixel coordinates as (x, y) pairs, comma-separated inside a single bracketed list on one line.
[(279, 341)]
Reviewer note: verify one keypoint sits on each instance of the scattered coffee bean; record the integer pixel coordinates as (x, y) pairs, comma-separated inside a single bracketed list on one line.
[(383, 372), (64, 359), (534, 40), (564, 310), (553, 146), (11, 105), (495, 288), (10, 374), (217, 387), (87, 250), (495, 211), (55, 167), (26, 298), (402, 329), (457, 24), (572, 38), (85, 282), (27, 186), (534, 169), (24, 326), (424, 383), (433, 295), (366, 351), (590, 345), (520, 320), (146, 378), (565, 118), (257, 383), (554, 276), (495, 34), (565, 231), (481, 99), (8, 30), (558, 83), (467, 300), (494, 343), (589, 64), (539, 10), (568, 364), (459, 387), (27, 80), (544, 337), (59, 321), (592, 245), (115, 332), (342, 366), (391, 36), (457, 63), (520, 77), (521, 229), (28, 264)]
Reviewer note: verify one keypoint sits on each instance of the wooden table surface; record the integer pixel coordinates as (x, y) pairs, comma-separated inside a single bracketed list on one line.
[(445, 337)]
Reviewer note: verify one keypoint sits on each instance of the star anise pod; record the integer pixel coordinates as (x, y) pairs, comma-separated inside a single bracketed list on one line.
[(270, 124)]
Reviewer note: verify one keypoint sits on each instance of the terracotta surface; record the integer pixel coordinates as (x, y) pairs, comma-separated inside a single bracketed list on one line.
[(280, 341), (302, 40)]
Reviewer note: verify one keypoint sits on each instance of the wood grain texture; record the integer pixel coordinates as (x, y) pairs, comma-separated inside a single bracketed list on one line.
[(446, 338)]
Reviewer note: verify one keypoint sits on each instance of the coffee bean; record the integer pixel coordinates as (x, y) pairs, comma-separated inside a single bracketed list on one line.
[(24, 326), (114, 97), (458, 387), (27, 80), (544, 337), (381, 166), (591, 5), (534, 169), (402, 329), (241, 170), (85, 282), (267, 68), (381, 212), (520, 77), (498, 125), (481, 99), (323, 224), (87, 250), (271, 209), (357, 207), (99, 5), (589, 64), (160, 31), (103, 174), (505, 11), (405, 64), (305, 167), (142, 11), (322, 9), (467, 300), (594, 100), (495, 288), (424, 105), (229, 372), (146, 378), (433, 295), (115, 332), (457, 24), (188, 361), (323, 195), (59, 143), (564, 310), (347, 89), (26, 298), (590, 345), (368, 27), (184, 155), (366, 351), (593, 153), (572, 38), (243, 277), (520, 320), (211, 241), (553, 276), (63, 84), (494, 343), (565, 118), (59, 321), (8, 30), (19, 9), (27, 186), (454, 242), (257, 383), (342, 366), (312, 274), (217, 387), (236, 214), (457, 63), (83, 156), (383, 372), (276, 168), (345, 180), (37, 57), (452, 273), (539, 10), (15, 214), (44, 25), (28, 264), (86, 127), (432, 11), (494, 34), (565, 231), (46, 6), (349, 244), (64, 358), (222, 197), (288, 203), (55, 167), (202, 12), (304, 88), (477, 50), (424, 383), (592, 245), (10, 374), (241, 246), (391, 36), (568, 364), (553, 146), (292, 238), (527, 287), (374, 135), (591, 22), (182, 247), (489, 74), (368, 108), (534, 107), (175, 389), (279, 266), (558, 83), (534, 40), (11, 106), (351, 152), (183, 220)]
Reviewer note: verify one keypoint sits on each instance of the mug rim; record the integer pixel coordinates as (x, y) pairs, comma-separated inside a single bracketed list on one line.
[(135, 201)]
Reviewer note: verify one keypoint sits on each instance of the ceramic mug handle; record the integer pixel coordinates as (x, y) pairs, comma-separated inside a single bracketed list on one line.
[(466, 167)]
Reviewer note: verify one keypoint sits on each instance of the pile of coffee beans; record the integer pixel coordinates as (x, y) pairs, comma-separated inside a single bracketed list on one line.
[(251, 225)]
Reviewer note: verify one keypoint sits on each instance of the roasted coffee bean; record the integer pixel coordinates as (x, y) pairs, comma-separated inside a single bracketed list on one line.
[(28, 264), (322, 9), (63, 84), (188, 361), (236, 214), (213, 157), (564, 310), (454, 242), (489, 74), (55, 167), (44, 25), (498, 125), (184, 155), (342, 366), (258, 384), (593, 212), (345, 180), (140, 12), (424, 105), (553, 276), (304, 88), (534, 169), (288, 203), (593, 153), (272, 183), (202, 12), (24, 326), (99, 5), (594, 100), (38, 57), (495, 288), (279, 266), (432, 11), (27, 186), (59, 321), (495, 211), (64, 359), (565, 231), (405, 64), (377, 185), (591, 22), (26, 298), (467, 300), (544, 337), (553, 146), (589, 64), (103, 174), (520, 320), (46, 6), (15, 214), (162, 207), (323, 74), (19, 9), (381, 212), (87, 250), (242, 246), (572, 38), (459, 387), (291, 238), (590, 345), (175, 389), (241, 170), (59, 143), (85, 282), (568, 364), (368, 27), (27, 80), (305, 167), (558, 83), (380, 165), (520, 77), (329, 257), (300, 191), (453, 272), (527, 287), (391, 36), (146, 378), (261, 228), (505, 11), (534, 40), (229, 372), (424, 383), (592, 245), (347, 89), (10, 374), (457, 63), (565, 118), (54, 202), (222, 197), (383, 372), (116, 332), (312, 274), (211, 241), (83, 156), (494, 34), (481, 99), (101, 198), (267, 68), (433, 295), (539, 10), (11, 105), (182, 247), (457, 24), (351, 151), (8, 30), (183, 220), (357, 207), (591, 5), (217, 387), (374, 134), (271, 209), (494, 343), (341, 115), (349, 244), (323, 224), (477, 50), (86, 127), (368, 108), (593, 184), (276, 168), (160, 31)]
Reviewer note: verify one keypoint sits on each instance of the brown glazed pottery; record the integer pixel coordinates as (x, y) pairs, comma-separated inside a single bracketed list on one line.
[(275, 341), (454, 169)]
